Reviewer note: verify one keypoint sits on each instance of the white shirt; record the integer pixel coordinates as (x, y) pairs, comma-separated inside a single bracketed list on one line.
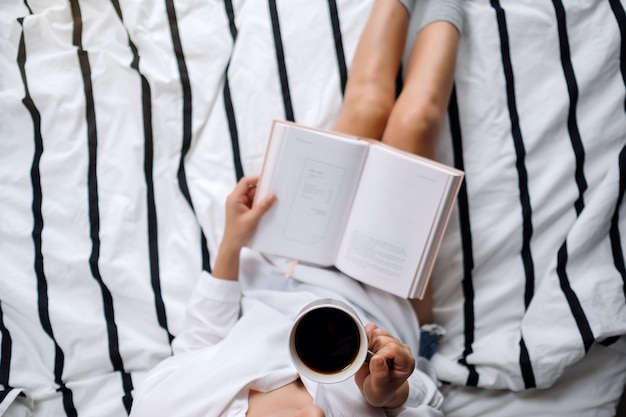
[(236, 340)]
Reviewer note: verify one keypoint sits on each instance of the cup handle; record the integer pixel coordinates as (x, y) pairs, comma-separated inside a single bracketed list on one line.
[(370, 354)]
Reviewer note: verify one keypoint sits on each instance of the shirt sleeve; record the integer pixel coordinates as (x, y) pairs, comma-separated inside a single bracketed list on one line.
[(213, 309)]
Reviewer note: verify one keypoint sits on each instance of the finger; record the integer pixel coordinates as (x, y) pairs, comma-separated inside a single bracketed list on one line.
[(252, 187), (374, 333), (376, 387), (369, 332), (379, 371), (249, 181), (263, 205), (241, 189), (381, 332), (379, 339), (246, 184), (248, 188), (403, 360), (389, 347)]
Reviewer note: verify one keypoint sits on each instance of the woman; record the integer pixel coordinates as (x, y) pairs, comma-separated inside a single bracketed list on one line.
[(232, 359)]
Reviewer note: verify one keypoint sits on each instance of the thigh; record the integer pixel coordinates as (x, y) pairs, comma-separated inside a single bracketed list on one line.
[(382, 42)]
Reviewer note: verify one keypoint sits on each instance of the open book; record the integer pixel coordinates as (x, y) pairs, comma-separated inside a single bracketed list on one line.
[(375, 213)]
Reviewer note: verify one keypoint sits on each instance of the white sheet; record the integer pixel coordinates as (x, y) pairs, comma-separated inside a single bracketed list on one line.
[(103, 229)]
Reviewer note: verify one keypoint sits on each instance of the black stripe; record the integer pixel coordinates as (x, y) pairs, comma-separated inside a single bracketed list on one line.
[(572, 88), (232, 128), (609, 341), (620, 16), (572, 125), (153, 241), (6, 347), (341, 58), (186, 87), (614, 232), (38, 224), (574, 304), (228, 102), (522, 176), (4, 394), (526, 366), (520, 153), (94, 210), (280, 60), (466, 237), (230, 13), (399, 85), (187, 121)]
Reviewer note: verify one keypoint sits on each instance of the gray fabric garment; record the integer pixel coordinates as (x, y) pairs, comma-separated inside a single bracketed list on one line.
[(424, 12)]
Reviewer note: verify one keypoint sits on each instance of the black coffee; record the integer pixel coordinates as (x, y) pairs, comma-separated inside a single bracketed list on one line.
[(327, 340)]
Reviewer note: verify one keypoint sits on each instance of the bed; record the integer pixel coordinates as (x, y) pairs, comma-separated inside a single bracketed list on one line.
[(125, 123)]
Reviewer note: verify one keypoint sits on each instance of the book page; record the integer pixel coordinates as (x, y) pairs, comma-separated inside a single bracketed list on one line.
[(314, 179), (394, 213), (317, 195)]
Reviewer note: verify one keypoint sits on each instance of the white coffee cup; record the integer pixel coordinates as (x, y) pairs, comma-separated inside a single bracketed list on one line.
[(328, 342)]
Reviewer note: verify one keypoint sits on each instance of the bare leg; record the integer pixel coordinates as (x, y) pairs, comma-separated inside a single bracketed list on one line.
[(291, 400), (415, 120), (411, 123), (370, 92), (416, 117)]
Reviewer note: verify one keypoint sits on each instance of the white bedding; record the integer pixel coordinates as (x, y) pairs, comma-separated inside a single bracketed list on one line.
[(123, 125)]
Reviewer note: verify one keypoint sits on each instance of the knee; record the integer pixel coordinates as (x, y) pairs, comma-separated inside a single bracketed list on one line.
[(366, 109), (423, 118), (414, 125)]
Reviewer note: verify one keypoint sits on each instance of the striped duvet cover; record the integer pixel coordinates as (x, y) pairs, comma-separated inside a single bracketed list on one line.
[(124, 124)]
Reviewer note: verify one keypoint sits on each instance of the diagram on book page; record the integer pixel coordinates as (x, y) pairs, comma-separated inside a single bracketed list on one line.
[(314, 201)]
